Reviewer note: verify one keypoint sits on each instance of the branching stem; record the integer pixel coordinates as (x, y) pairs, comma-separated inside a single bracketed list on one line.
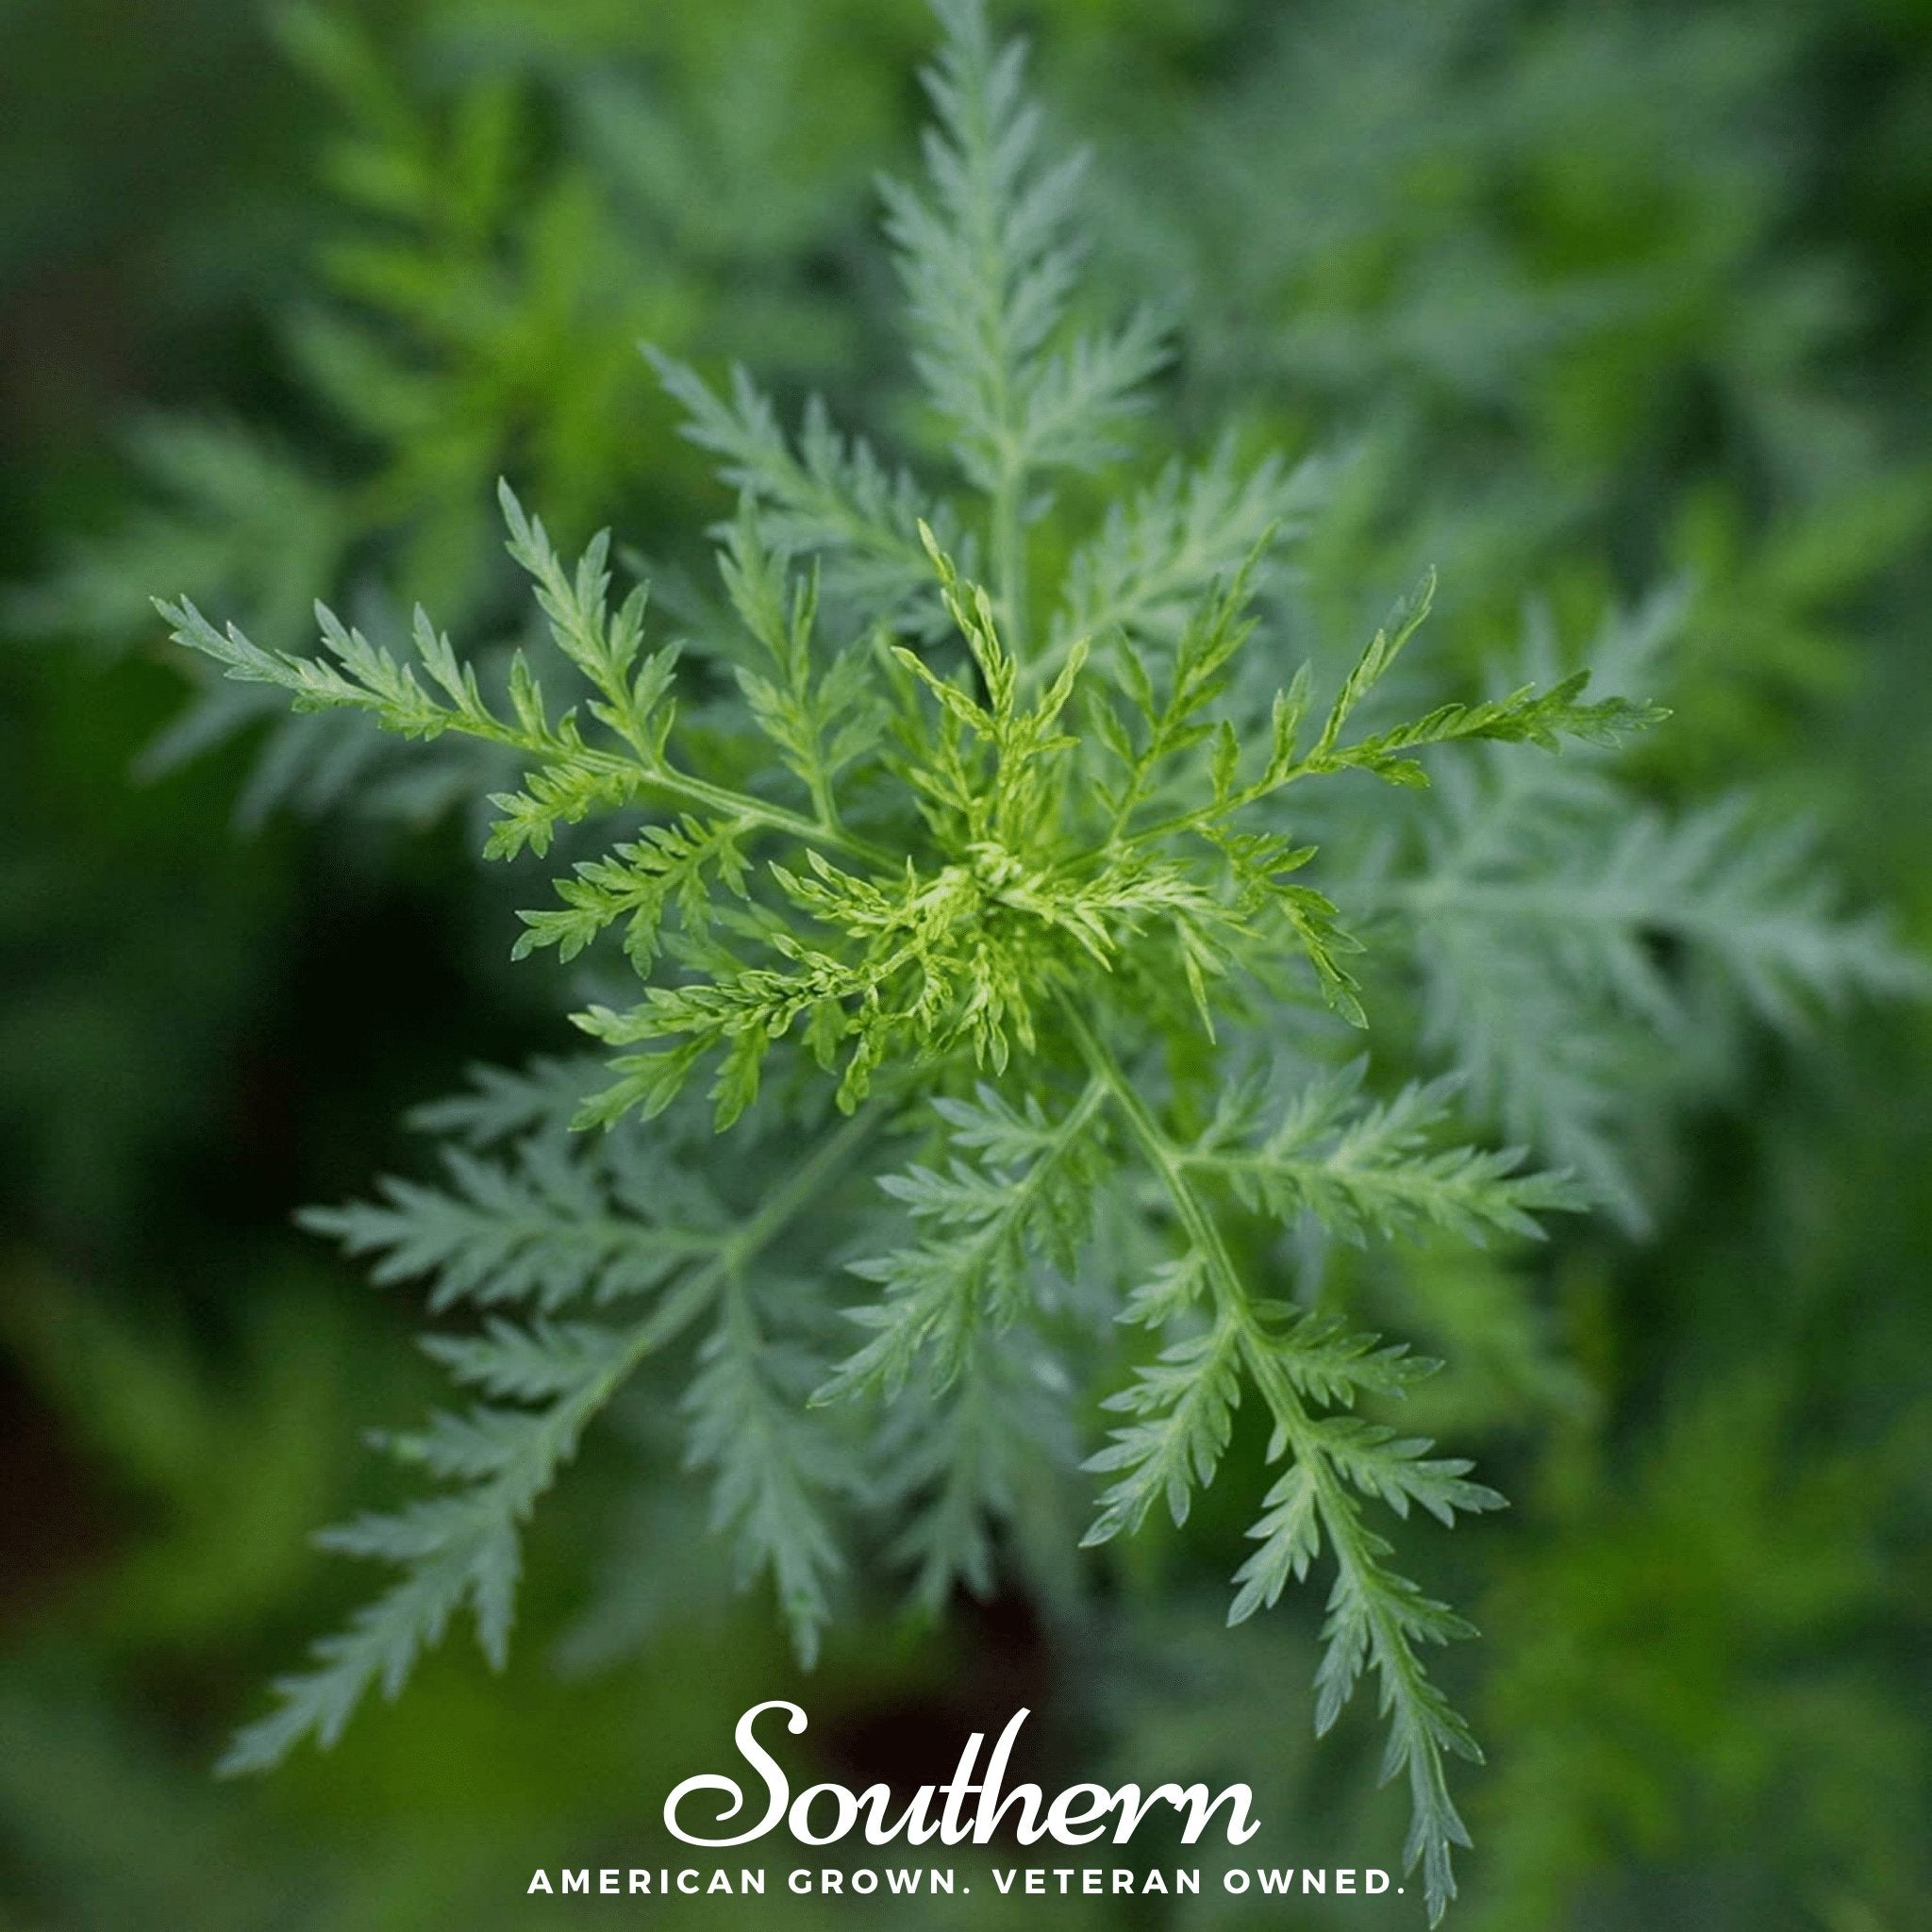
[(1361, 1578)]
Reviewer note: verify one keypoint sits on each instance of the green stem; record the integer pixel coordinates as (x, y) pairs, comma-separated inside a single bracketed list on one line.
[(797, 1192), (663, 777), (718, 798), (1356, 1556), (1010, 559), (1221, 809), (799, 1189), (1197, 1221), (1261, 1350)]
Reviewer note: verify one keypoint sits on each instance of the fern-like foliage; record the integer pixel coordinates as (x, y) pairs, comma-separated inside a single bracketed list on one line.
[(617, 1252), (496, 234), (1576, 946), (1019, 872)]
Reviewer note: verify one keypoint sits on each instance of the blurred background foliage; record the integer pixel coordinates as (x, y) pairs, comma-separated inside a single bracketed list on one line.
[(1582, 303)]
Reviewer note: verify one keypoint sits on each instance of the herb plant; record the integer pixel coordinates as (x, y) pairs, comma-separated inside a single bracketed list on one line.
[(968, 882)]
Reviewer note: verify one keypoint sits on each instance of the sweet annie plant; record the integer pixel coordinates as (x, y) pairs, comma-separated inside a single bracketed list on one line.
[(965, 886)]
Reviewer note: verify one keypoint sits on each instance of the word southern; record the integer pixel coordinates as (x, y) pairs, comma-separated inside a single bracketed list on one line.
[(823, 1815)]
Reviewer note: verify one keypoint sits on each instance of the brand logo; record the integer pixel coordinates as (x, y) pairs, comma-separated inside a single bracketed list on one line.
[(971, 1806)]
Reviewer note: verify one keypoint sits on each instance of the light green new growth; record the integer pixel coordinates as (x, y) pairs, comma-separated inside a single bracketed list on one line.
[(1012, 867)]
